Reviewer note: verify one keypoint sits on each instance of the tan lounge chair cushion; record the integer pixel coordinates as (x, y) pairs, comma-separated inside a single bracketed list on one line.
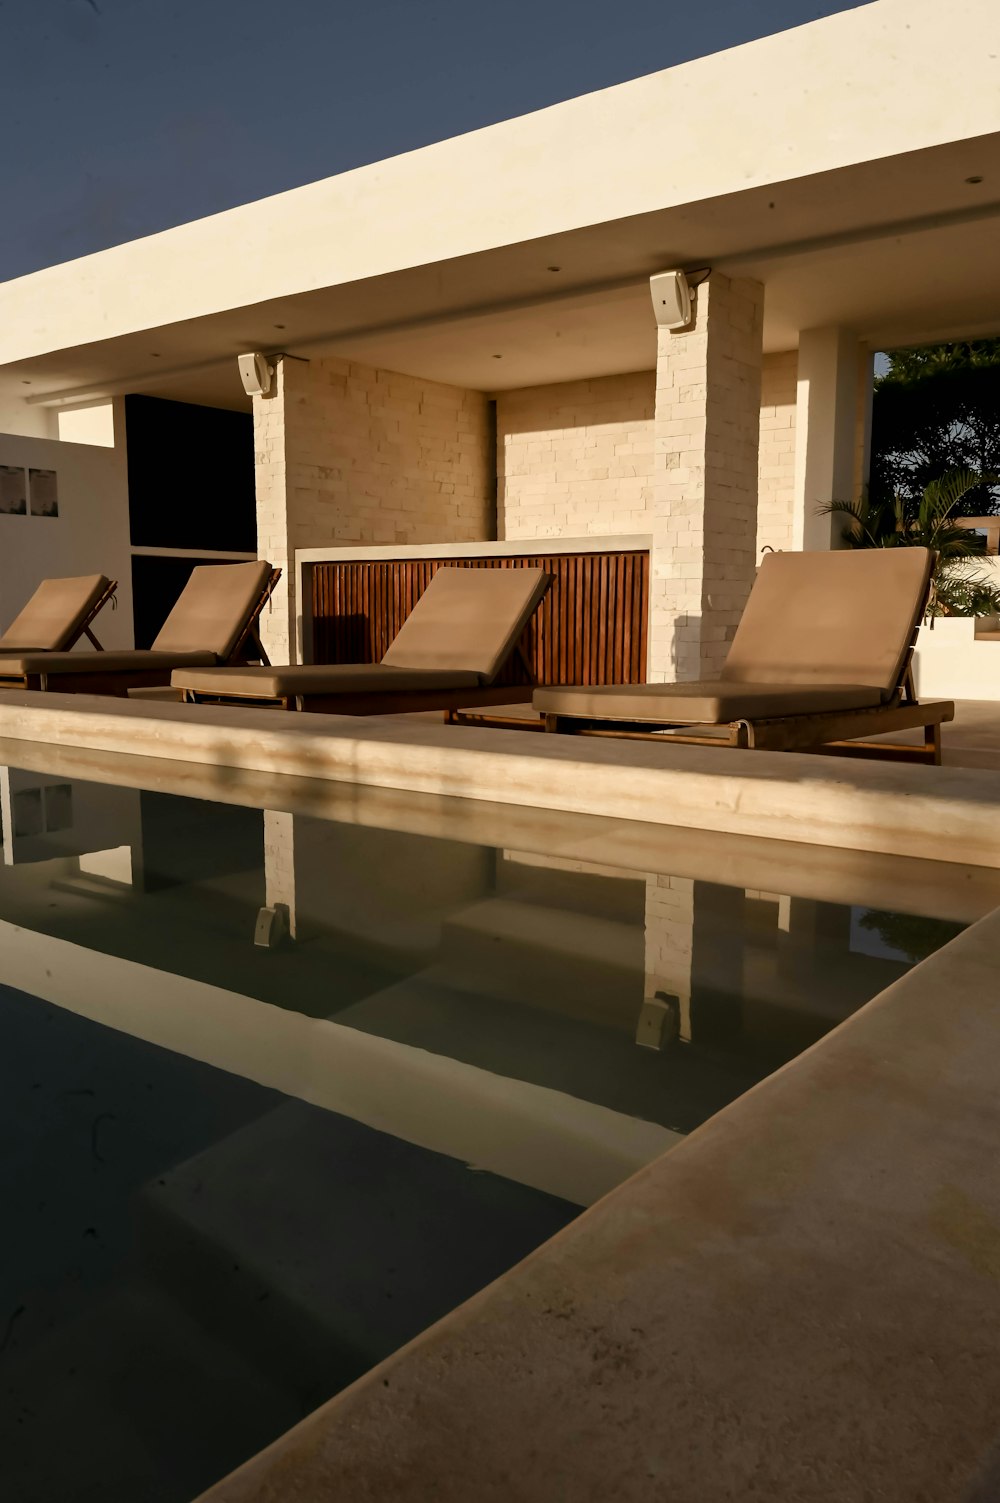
[(127, 661), (706, 703), (54, 615), (213, 608), (468, 620), (319, 678), (844, 617)]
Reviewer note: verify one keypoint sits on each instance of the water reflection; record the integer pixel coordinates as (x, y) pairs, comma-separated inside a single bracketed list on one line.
[(248, 1057)]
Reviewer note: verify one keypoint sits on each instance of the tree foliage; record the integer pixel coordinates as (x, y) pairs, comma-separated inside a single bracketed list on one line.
[(927, 521), (937, 410)]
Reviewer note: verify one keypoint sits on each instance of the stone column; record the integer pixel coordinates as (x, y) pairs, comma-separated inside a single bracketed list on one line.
[(830, 419), (706, 438), (277, 624)]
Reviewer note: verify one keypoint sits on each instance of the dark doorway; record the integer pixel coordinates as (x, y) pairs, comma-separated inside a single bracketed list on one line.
[(191, 498), (190, 476)]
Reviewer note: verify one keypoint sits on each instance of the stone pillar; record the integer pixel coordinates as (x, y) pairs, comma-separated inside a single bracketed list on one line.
[(274, 542), (828, 409), (706, 439)]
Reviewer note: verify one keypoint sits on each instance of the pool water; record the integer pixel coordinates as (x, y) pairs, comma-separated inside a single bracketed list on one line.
[(280, 1089)]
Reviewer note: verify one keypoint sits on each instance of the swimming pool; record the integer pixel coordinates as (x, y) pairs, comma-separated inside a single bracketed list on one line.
[(281, 1086)]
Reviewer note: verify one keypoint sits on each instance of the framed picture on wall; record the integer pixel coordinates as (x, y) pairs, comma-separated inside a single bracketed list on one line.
[(43, 492), (13, 491)]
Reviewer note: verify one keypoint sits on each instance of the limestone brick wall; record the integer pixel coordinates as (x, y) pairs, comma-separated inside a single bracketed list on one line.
[(350, 454), (707, 436), (776, 460), (576, 458)]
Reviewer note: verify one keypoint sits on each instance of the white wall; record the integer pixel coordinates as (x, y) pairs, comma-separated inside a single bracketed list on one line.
[(102, 826), (950, 663), (89, 536)]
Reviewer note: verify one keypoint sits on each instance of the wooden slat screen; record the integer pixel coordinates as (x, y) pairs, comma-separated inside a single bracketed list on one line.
[(589, 629)]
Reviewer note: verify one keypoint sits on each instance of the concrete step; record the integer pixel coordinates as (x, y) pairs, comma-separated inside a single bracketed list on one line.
[(318, 1246), (609, 895), (563, 961), (133, 1399), (677, 1088)]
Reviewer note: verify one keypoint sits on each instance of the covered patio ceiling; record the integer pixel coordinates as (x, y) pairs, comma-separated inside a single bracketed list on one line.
[(901, 251)]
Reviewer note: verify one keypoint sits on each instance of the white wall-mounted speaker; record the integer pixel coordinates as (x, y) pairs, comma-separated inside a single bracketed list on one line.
[(256, 372), (671, 294)]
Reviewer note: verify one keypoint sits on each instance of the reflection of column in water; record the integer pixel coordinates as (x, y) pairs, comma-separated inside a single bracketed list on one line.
[(279, 863), (694, 962), (819, 934), (717, 951), (666, 1009)]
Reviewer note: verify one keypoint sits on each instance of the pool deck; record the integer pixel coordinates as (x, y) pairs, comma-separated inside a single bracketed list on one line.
[(949, 813)]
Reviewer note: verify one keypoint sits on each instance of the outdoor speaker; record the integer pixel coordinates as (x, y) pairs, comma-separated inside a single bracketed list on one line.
[(255, 373), (671, 299)]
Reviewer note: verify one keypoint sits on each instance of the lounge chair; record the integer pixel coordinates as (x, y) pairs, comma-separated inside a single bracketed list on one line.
[(214, 621), (59, 613), (820, 661), (448, 651)]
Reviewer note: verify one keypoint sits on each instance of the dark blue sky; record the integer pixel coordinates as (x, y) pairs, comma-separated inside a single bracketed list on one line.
[(123, 117)]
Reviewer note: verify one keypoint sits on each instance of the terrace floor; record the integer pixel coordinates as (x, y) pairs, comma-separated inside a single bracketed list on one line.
[(972, 739)]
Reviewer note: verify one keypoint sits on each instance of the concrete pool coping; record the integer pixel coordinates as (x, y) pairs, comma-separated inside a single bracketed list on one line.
[(944, 813)]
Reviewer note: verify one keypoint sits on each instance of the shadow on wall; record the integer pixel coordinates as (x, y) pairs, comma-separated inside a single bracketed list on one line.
[(576, 457), (686, 649)]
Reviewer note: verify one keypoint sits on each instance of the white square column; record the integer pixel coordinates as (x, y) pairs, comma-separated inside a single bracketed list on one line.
[(706, 439), (832, 427)]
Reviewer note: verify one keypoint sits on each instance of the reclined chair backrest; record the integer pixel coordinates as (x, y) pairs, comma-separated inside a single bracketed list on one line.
[(214, 609), (468, 620), (56, 614), (844, 617)]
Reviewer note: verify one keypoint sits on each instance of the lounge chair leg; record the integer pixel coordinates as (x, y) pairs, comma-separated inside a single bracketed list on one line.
[(552, 722), (932, 744)]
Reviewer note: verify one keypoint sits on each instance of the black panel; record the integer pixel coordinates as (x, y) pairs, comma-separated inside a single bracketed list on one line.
[(156, 584), (190, 476)]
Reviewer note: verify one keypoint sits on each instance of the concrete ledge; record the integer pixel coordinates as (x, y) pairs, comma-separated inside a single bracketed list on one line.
[(934, 889), (950, 814), (801, 1302)]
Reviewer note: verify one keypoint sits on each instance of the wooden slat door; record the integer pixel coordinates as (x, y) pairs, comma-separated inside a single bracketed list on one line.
[(590, 629)]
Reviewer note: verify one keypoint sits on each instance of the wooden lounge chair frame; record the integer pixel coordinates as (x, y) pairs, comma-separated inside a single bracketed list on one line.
[(841, 731), (84, 629), (832, 733), (389, 701), (117, 684), (378, 702)]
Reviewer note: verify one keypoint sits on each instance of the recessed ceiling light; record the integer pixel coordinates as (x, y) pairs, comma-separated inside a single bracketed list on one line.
[(553, 268), (279, 326), (497, 357), (25, 383), (975, 179)]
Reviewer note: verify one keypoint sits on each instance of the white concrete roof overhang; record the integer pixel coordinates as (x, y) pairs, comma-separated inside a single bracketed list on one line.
[(800, 159)]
